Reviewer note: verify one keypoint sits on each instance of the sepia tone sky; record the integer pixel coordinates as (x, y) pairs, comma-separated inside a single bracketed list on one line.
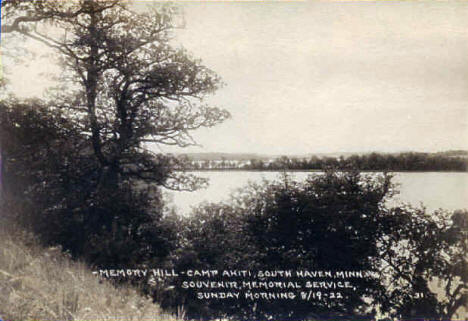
[(305, 77)]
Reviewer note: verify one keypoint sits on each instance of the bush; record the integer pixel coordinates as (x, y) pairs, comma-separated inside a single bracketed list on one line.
[(52, 184), (332, 222)]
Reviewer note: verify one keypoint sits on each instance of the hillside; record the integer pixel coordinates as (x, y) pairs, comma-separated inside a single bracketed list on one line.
[(43, 284)]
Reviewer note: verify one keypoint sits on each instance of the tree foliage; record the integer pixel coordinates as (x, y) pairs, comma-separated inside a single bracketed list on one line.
[(331, 222), (125, 84)]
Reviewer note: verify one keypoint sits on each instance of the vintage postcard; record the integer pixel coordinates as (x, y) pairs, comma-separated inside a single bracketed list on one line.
[(233, 160)]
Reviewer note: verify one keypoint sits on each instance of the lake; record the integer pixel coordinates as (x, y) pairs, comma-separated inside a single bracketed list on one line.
[(446, 190)]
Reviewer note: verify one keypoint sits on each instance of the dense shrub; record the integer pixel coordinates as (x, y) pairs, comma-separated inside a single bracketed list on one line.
[(330, 222), (50, 184)]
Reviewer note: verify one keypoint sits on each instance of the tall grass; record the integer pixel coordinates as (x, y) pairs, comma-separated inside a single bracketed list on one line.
[(43, 284)]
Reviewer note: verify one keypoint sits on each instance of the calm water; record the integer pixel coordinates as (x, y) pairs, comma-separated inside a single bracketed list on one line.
[(433, 189)]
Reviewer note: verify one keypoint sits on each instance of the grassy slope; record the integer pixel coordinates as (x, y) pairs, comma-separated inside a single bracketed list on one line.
[(42, 284)]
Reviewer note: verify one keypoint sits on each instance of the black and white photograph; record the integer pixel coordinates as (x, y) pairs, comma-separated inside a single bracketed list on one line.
[(269, 160)]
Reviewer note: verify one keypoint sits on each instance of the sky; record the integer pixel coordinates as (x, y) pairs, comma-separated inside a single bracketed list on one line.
[(316, 77)]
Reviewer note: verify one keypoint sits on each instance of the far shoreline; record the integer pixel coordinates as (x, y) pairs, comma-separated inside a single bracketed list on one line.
[(317, 170)]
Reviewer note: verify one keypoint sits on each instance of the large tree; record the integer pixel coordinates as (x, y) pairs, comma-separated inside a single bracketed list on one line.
[(125, 84)]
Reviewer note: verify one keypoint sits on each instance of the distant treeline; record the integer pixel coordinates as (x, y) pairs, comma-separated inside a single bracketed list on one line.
[(409, 161)]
